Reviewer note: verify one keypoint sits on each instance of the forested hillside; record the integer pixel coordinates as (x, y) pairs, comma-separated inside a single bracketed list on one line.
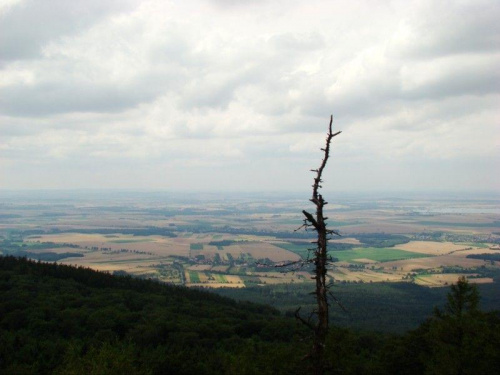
[(61, 319), (381, 307)]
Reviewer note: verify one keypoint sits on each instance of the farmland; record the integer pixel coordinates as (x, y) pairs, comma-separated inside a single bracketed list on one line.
[(244, 241)]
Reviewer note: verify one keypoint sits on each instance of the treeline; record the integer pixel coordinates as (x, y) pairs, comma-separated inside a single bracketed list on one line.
[(384, 307), (222, 243), (57, 319), (489, 257), (381, 239), (48, 256), (62, 319)]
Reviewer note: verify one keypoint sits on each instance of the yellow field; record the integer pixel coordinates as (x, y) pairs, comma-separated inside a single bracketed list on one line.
[(218, 285), (352, 241), (455, 259), (282, 278), (258, 250), (482, 251), (266, 250), (208, 280), (431, 248), (344, 274), (145, 253), (160, 246), (200, 267), (439, 280)]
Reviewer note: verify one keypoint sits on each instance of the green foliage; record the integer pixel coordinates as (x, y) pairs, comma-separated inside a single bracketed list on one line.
[(62, 319), (490, 257), (48, 256), (196, 246), (57, 319), (385, 307), (462, 299), (222, 243), (461, 332), (381, 239)]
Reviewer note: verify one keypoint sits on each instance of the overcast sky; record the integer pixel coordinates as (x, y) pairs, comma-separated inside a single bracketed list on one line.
[(236, 94)]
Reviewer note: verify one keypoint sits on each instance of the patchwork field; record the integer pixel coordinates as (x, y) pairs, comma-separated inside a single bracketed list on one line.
[(238, 241), (441, 280), (432, 247), (452, 260), (364, 254), (213, 280), (342, 274)]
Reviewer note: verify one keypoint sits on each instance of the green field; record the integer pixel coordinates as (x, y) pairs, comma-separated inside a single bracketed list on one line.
[(196, 246), (376, 254), (219, 278), (193, 276)]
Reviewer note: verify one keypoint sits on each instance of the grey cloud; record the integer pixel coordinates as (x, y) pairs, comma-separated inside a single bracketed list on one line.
[(47, 99), (454, 28), (386, 92), (170, 86), (65, 95), (217, 89), (471, 81), (27, 27)]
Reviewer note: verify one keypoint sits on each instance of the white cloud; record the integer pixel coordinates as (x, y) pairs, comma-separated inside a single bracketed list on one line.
[(224, 90)]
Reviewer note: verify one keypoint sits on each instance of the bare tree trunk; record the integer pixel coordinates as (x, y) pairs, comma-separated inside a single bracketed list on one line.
[(318, 223)]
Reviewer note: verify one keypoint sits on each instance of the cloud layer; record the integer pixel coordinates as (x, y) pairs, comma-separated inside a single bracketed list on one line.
[(236, 95)]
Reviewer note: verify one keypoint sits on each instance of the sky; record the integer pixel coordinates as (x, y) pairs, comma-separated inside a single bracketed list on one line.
[(236, 95)]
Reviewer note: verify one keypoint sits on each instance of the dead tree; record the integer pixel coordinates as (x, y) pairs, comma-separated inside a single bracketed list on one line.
[(317, 222)]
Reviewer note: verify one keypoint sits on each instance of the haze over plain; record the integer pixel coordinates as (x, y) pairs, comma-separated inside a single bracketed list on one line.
[(235, 95)]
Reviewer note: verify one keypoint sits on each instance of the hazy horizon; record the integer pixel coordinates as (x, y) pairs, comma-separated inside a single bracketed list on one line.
[(333, 196), (231, 95)]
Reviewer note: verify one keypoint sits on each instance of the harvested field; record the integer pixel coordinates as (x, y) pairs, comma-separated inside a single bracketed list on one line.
[(351, 241), (479, 251), (260, 250), (220, 268), (213, 280), (439, 280), (200, 267), (432, 248), (218, 285), (363, 276), (374, 254), (282, 278), (450, 260), (157, 245)]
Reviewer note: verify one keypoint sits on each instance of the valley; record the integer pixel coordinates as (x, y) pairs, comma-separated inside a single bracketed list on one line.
[(238, 241)]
